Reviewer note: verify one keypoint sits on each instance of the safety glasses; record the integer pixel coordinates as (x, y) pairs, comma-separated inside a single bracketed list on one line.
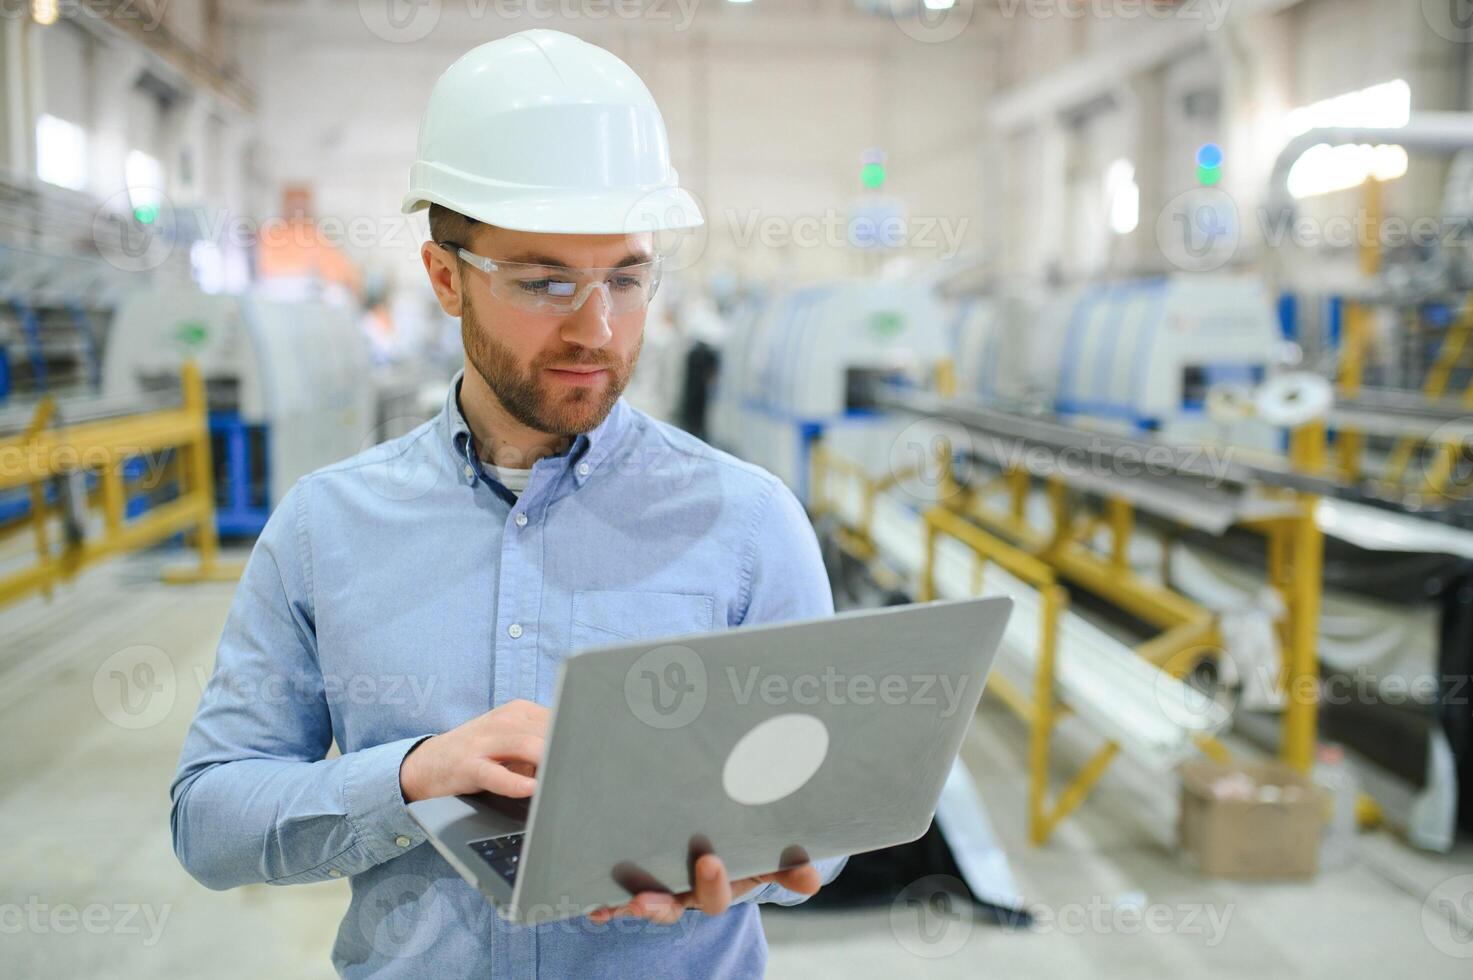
[(557, 290)]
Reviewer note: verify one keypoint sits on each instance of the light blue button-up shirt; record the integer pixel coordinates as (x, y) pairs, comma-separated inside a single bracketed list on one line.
[(403, 592)]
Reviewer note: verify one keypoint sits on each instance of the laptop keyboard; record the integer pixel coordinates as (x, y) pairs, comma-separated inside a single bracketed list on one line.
[(502, 853)]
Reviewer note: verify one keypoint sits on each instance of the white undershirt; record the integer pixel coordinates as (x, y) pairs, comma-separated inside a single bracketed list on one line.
[(513, 479)]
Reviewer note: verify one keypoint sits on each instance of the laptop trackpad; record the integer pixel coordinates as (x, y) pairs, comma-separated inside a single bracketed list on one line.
[(494, 815)]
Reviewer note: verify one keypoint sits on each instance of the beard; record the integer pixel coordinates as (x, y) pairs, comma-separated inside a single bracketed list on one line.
[(541, 404)]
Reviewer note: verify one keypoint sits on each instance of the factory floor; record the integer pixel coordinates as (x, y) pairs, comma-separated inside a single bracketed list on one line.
[(91, 887)]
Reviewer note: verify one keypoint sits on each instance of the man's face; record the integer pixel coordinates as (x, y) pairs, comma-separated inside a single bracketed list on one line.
[(556, 373)]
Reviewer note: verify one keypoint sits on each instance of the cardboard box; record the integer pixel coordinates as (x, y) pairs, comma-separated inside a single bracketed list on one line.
[(1250, 819)]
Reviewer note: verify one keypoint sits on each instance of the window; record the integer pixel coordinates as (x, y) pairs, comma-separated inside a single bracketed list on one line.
[(61, 152)]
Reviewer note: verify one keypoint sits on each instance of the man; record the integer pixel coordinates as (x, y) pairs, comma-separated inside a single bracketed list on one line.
[(412, 604)]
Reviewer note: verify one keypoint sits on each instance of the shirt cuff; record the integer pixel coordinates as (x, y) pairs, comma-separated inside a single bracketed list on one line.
[(375, 803)]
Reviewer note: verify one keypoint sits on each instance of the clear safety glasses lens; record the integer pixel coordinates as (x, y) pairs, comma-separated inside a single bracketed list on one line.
[(554, 289)]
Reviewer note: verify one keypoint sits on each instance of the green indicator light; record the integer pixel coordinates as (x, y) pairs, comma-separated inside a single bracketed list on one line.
[(1208, 176), (872, 175), (145, 213)]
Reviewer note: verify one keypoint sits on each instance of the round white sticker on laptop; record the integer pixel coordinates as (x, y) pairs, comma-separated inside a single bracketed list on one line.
[(775, 759)]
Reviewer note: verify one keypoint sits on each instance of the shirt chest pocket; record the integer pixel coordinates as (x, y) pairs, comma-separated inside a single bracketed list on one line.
[(601, 618)]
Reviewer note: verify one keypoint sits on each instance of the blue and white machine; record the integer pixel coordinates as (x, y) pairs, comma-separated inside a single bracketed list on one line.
[(801, 365), (1140, 355), (289, 385)]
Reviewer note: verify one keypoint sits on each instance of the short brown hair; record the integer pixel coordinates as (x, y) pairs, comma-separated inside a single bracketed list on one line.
[(451, 227)]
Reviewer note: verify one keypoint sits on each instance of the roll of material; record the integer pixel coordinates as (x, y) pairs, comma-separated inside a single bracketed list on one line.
[(1294, 399)]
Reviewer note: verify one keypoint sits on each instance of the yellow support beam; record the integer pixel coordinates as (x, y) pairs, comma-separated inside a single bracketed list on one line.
[(44, 453)]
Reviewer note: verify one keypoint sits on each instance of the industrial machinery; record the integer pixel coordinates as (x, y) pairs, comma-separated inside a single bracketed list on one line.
[(289, 385), (803, 364), (1134, 356)]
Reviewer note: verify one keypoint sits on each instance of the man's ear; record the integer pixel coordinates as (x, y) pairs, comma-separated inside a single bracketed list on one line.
[(444, 272)]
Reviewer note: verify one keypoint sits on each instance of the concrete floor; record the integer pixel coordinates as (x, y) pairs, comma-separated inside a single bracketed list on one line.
[(91, 887)]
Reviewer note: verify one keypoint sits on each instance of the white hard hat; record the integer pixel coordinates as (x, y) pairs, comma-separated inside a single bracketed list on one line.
[(543, 132)]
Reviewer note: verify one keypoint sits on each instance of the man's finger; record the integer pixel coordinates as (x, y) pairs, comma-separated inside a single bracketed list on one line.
[(502, 781), (528, 746), (712, 892), (804, 879)]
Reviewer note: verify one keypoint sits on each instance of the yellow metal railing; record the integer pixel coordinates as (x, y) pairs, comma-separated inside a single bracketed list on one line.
[(45, 454)]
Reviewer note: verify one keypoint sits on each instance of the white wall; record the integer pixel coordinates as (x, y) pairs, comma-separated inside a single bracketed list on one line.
[(1265, 58), (768, 110)]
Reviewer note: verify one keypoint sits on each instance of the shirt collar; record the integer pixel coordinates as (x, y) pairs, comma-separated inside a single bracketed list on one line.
[(586, 454)]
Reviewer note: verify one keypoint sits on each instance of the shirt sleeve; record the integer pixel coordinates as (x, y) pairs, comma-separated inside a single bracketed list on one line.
[(785, 580), (255, 799)]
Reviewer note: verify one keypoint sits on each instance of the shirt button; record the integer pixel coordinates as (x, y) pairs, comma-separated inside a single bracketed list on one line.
[(582, 469), (470, 472), (514, 630), (521, 520), (334, 873), (402, 841)]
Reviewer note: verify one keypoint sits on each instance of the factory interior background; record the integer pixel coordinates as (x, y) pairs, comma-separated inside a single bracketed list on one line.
[(1155, 316)]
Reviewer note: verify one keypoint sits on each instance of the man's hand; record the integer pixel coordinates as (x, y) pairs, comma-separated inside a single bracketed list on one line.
[(712, 894), (497, 752)]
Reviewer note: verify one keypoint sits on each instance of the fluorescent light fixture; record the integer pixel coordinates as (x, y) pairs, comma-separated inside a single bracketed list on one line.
[(940, 4), (1123, 197), (61, 152), (1324, 168), (1388, 104)]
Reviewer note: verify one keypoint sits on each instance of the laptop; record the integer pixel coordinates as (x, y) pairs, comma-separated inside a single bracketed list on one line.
[(769, 745)]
